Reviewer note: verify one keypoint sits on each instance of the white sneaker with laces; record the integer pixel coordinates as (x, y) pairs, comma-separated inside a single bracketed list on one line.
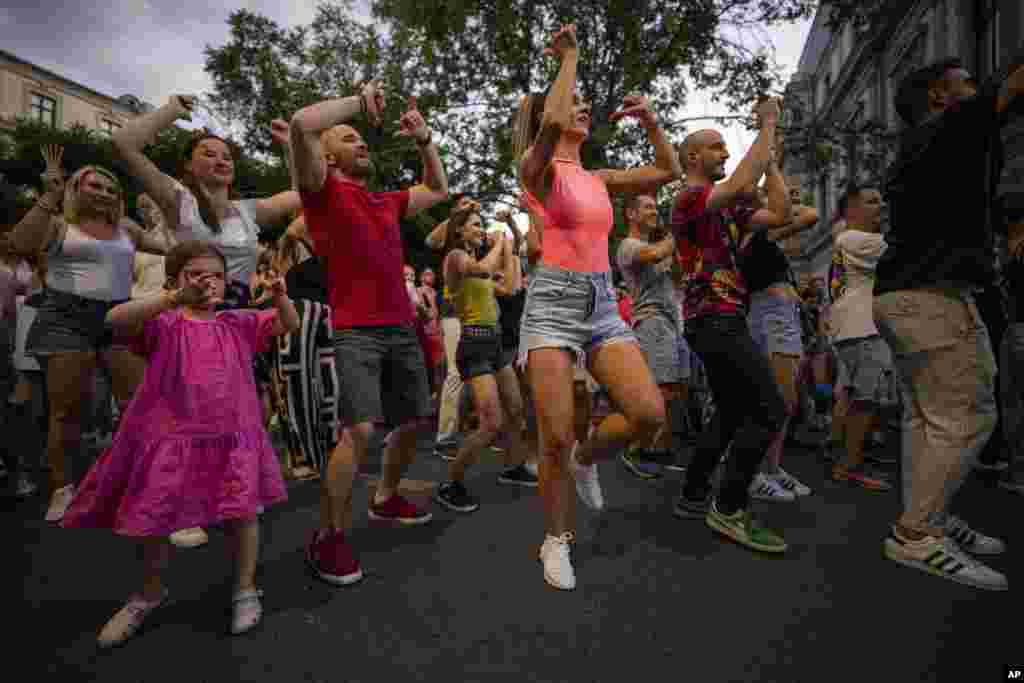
[(554, 553), (943, 557), (973, 541), (127, 621), (247, 611), (766, 488), (791, 483), (59, 503), (189, 538), (588, 484)]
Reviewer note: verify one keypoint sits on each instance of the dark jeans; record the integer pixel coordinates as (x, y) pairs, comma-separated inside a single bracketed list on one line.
[(750, 410)]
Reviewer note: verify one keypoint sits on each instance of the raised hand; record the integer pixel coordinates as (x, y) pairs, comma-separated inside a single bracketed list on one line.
[(280, 132), (185, 104), (413, 125), (635, 106), (768, 110), (53, 177), (192, 294), (563, 42), (373, 96)]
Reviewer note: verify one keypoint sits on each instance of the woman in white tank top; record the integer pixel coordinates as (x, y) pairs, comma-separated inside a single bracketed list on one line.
[(90, 247), (202, 205)]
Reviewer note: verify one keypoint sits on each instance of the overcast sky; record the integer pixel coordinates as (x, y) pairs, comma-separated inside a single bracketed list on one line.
[(153, 48)]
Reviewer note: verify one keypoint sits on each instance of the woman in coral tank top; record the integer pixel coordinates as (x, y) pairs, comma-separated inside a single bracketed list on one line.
[(571, 316)]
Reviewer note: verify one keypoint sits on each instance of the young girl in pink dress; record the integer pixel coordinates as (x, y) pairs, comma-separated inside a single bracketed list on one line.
[(191, 450)]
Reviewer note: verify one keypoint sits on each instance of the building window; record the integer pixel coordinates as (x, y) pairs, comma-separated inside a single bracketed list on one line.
[(43, 109), (108, 127)]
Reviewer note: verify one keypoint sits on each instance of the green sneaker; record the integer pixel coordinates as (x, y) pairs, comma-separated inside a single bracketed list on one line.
[(744, 529)]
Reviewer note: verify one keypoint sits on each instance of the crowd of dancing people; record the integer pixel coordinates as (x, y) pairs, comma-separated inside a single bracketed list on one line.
[(203, 339)]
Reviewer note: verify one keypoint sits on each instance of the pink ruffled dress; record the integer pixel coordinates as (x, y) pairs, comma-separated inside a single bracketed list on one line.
[(191, 450)]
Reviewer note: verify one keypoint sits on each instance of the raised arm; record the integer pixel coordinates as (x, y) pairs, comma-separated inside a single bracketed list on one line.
[(435, 240), (657, 252), (645, 179), (309, 168), (129, 142), (754, 163), (434, 187), (150, 242), (270, 211), (558, 112), (778, 208), (802, 217), (511, 267), (42, 223)]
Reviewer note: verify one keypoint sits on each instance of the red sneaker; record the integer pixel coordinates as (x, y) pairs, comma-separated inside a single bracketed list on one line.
[(398, 509), (331, 559)]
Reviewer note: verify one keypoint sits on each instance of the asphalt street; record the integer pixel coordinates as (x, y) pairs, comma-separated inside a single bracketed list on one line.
[(463, 598)]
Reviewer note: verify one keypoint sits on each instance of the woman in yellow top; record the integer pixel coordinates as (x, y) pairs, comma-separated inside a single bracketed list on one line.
[(481, 363)]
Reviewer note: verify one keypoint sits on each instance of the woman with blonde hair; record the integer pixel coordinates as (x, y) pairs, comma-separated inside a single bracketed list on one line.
[(571, 315), (90, 248)]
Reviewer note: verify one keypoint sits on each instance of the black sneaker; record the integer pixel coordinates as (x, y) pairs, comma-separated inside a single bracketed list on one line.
[(692, 509), (454, 496), (518, 476)]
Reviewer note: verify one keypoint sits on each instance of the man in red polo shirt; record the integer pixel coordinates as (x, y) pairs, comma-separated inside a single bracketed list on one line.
[(381, 370)]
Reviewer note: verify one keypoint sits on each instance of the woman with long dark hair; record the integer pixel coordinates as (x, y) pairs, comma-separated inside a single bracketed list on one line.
[(203, 203)]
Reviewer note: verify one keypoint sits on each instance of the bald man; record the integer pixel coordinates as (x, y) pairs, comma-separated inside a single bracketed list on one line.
[(382, 373), (709, 221)]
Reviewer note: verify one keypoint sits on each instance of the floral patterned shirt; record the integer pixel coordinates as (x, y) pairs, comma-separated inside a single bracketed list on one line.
[(707, 241)]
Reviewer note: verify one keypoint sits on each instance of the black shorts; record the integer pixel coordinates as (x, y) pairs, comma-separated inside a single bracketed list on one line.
[(479, 352), (381, 375)]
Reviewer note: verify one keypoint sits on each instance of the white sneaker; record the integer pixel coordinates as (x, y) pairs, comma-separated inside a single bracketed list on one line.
[(554, 553), (766, 488), (588, 485), (59, 503), (189, 538), (247, 611), (791, 483), (973, 541), (943, 557)]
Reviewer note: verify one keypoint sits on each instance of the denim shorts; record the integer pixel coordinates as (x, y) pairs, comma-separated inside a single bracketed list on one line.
[(382, 375), (775, 324), (663, 349), (573, 311), (479, 353), (69, 323)]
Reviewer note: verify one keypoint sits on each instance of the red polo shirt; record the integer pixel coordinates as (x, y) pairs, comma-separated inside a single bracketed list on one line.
[(359, 234)]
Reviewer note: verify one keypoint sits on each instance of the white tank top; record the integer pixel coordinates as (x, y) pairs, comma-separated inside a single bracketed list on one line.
[(94, 269), (238, 237)]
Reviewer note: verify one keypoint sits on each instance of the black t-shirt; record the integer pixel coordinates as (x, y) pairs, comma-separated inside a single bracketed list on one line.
[(763, 263), (511, 317), (939, 195), (308, 280)]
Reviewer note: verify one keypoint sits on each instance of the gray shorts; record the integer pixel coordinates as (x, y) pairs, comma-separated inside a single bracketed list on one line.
[(573, 311), (660, 341), (66, 322), (775, 324), (867, 366), (381, 375)]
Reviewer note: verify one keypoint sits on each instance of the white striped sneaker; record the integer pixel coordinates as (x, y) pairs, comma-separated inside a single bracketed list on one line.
[(766, 488), (588, 483), (943, 557), (791, 483), (973, 541)]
